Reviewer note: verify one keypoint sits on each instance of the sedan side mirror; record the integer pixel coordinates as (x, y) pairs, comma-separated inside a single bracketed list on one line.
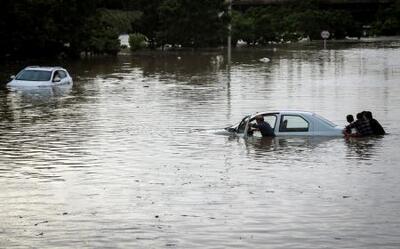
[(12, 77), (56, 79)]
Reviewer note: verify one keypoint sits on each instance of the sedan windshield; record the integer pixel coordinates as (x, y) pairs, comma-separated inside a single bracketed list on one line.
[(34, 75)]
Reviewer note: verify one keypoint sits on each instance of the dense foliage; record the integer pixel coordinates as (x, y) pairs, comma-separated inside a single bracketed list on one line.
[(192, 23), (388, 20), (307, 18), (292, 22), (45, 27), (137, 41), (72, 27)]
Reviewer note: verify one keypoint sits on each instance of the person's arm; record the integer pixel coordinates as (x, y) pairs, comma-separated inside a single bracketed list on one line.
[(348, 128), (251, 129), (353, 126)]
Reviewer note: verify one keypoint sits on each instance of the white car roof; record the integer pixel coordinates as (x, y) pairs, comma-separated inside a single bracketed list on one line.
[(43, 68)]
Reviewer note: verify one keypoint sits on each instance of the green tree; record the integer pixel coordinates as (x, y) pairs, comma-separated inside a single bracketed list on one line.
[(137, 41), (192, 23), (102, 36), (49, 27), (291, 22), (388, 20), (243, 28), (121, 20), (265, 27), (149, 24)]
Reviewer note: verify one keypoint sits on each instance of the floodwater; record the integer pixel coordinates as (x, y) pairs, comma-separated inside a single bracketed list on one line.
[(129, 156)]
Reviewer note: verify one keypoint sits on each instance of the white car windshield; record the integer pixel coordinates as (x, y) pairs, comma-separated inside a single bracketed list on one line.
[(34, 75)]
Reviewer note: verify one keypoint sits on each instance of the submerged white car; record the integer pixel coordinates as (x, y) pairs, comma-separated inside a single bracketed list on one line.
[(288, 123), (36, 76)]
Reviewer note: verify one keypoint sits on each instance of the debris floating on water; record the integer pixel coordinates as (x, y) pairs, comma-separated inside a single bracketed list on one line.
[(43, 222), (265, 60)]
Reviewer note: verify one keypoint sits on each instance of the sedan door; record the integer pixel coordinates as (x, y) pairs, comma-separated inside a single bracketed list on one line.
[(270, 118), (294, 125)]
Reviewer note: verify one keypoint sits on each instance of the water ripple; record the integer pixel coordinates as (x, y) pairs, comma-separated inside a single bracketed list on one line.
[(129, 156)]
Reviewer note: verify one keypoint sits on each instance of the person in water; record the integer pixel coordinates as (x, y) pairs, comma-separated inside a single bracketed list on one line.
[(362, 126), (263, 127), (350, 120), (376, 127)]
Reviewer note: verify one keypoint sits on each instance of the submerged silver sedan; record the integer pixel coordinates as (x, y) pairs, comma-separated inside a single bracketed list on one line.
[(288, 123)]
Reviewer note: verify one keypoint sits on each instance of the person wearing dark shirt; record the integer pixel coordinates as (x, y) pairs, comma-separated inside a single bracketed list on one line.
[(263, 127), (350, 120), (376, 127), (361, 125)]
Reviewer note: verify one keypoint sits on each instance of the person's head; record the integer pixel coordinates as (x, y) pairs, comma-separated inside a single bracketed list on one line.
[(56, 77), (350, 118), (368, 115), (259, 118), (360, 116)]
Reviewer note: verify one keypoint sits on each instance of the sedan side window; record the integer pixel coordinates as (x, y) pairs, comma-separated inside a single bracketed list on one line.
[(271, 120), (293, 123)]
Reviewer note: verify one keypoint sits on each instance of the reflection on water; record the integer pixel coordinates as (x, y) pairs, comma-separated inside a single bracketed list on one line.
[(277, 143), (363, 148), (36, 95), (128, 156)]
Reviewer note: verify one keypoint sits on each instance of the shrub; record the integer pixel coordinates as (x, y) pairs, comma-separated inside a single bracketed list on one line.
[(137, 41)]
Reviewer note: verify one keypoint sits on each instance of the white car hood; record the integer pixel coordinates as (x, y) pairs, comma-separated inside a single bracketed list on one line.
[(29, 83)]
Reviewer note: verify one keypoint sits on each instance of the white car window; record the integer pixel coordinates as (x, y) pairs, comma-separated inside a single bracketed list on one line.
[(271, 120), (62, 74), (293, 123), (34, 75)]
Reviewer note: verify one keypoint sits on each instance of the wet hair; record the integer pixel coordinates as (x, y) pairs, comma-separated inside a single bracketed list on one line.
[(360, 116), (368, 115), (350, 118)]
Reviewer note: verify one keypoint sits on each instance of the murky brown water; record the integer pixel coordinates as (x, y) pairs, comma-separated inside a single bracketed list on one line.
[(128, 157)]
